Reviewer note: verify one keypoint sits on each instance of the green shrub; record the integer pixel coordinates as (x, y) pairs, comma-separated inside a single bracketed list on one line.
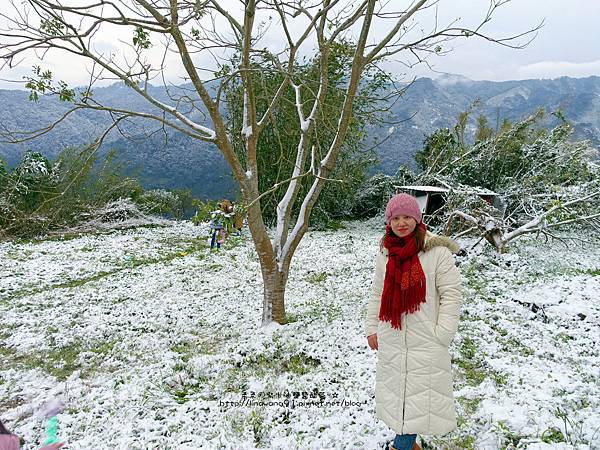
[(39, 196), (159, 201), (374, 194), (3, 174)]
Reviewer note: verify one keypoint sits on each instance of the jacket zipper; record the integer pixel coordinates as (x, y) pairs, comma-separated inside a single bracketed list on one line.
[(405, 377), (406, 373)]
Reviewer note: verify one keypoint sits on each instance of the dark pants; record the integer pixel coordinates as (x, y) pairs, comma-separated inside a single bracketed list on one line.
[(404, 441), (215, 239)]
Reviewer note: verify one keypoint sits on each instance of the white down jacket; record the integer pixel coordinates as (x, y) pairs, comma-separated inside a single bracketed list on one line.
[(413, 384)]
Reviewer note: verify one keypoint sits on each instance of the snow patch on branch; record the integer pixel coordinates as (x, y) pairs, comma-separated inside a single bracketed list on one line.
[(304, 125), (246, 129), (303, 122), (210, 134)]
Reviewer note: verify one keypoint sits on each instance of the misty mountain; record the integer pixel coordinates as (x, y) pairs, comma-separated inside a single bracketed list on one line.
[(168, 159), (428, 105)]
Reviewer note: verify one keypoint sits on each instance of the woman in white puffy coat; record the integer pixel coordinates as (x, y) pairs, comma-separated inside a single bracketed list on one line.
[(411, 320)]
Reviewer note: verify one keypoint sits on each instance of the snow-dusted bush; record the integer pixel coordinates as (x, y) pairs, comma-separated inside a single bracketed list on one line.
[(41, 196), (159, 201), (373, 195), (203, 210), (120, 213), (24, 191), (543, 180), (31, 180)]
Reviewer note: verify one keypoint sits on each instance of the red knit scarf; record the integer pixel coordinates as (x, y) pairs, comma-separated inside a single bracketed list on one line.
[(404, 283)]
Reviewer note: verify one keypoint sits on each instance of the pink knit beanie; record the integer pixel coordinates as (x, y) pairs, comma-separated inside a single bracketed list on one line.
[(403, 204)]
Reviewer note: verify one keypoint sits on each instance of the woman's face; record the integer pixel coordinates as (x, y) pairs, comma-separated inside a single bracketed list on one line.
[(403, 225)]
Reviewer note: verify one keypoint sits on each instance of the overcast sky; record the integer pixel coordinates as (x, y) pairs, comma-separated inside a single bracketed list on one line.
[(567, 45)]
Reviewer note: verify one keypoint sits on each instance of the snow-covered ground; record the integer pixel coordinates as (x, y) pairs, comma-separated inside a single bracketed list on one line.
[(153, 341)]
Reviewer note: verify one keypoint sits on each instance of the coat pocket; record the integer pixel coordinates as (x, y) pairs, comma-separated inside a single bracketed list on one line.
[(443, 336)]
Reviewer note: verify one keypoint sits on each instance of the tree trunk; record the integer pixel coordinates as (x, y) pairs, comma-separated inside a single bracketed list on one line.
[(274, 277), (274, 283)]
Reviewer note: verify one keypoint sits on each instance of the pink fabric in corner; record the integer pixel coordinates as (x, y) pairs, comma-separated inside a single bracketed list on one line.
[(9, 442)]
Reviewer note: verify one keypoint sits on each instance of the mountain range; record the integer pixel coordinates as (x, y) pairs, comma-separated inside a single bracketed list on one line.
[(168, 159)]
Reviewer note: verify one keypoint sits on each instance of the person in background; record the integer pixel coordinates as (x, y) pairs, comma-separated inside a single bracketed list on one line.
[(412, 317), (220, 223)]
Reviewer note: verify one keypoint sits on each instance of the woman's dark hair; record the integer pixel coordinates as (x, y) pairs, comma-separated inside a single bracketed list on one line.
[(419, 236), (3, 429)]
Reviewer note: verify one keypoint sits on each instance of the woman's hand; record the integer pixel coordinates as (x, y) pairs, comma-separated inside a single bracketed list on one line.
[(372, 340)]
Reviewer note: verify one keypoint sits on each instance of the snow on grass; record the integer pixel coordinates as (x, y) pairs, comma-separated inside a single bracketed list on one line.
[(155, 342), (523, 319), (57, 262)]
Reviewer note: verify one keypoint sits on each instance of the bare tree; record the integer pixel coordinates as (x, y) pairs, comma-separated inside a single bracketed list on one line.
[(193, 31)]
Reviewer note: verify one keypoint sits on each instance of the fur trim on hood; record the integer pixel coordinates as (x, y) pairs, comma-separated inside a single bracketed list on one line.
[(434, 240)]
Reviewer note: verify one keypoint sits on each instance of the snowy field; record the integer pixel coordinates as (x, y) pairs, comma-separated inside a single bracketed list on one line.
[(153, 342)]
